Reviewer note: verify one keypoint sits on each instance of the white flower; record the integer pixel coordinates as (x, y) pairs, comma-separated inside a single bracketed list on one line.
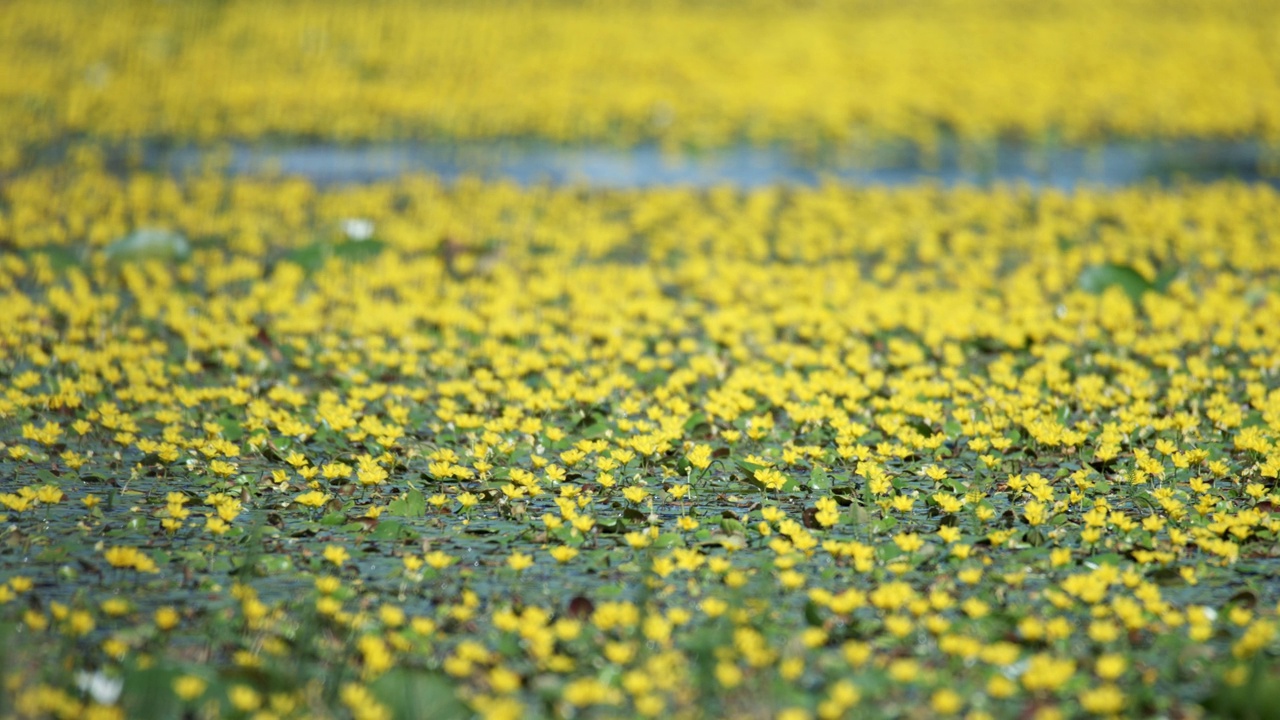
[(104, 689), (358, 228)]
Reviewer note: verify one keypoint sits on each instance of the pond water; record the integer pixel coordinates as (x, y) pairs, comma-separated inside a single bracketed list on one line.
[(1105, 165)]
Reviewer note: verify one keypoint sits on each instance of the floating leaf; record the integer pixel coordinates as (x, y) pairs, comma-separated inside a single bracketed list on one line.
[(411, 504), (732, 526), (313, 256), (358, 250), (668, 540), (61, 258), (147, 693), (149, 244), (1259, 697), (333, 518), (407, 693), (391, 530), (274, 564), (1097, 279)]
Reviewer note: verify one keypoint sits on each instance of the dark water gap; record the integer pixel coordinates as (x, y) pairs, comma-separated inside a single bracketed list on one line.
[(1113, 164)]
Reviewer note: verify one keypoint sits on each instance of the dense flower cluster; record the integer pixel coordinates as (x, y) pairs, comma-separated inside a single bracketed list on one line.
[(553, 452), (682, 73)]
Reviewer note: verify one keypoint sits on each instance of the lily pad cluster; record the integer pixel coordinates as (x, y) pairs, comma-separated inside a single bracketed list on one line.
[(531, 452)]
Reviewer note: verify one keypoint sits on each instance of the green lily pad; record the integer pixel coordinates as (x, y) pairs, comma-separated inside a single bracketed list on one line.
[(149, 244), (411, 504), (408, 692), (1097, 279), (313, 257)]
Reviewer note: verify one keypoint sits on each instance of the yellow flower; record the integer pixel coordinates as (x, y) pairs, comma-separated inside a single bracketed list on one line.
[(563, 553), (244, 698), (121, 556), (1110, 667), (908, 542), (503, 680), (438, 559), (1102, 700), (728, 674), (336, 554), (49, 494), (700, 457), (903, 503), (391, 616), (166, 618), (314, 498), (189, 687), (78, 622), (1045, 672), (770, 478), (634, 494), (327, 584), (222, 468), (115, 607), (904, 670), (946, 702)]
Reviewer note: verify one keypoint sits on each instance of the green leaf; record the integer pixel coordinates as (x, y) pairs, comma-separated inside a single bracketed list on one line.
[(858, 516), (231, 428), (1165, 278), (390, 530), (411, 505), (1097, 279), (694, 421), (668, 540), (613, 525), (313, 256), (408, 693), (333, 518), (812, 615), (1259, 697), (149, 244), (358, 250), (732, 527), (53, 554), (61, 258), (275, 564), (148, 693)]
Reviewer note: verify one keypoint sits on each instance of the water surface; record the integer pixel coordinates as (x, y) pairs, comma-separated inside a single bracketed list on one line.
[(1108, 165)]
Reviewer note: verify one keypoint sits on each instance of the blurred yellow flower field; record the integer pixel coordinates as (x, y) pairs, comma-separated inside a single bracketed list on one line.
[(808, 452), (697, 74)]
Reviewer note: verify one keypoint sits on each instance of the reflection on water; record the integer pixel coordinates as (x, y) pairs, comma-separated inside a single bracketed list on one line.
[(1107, 165)]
